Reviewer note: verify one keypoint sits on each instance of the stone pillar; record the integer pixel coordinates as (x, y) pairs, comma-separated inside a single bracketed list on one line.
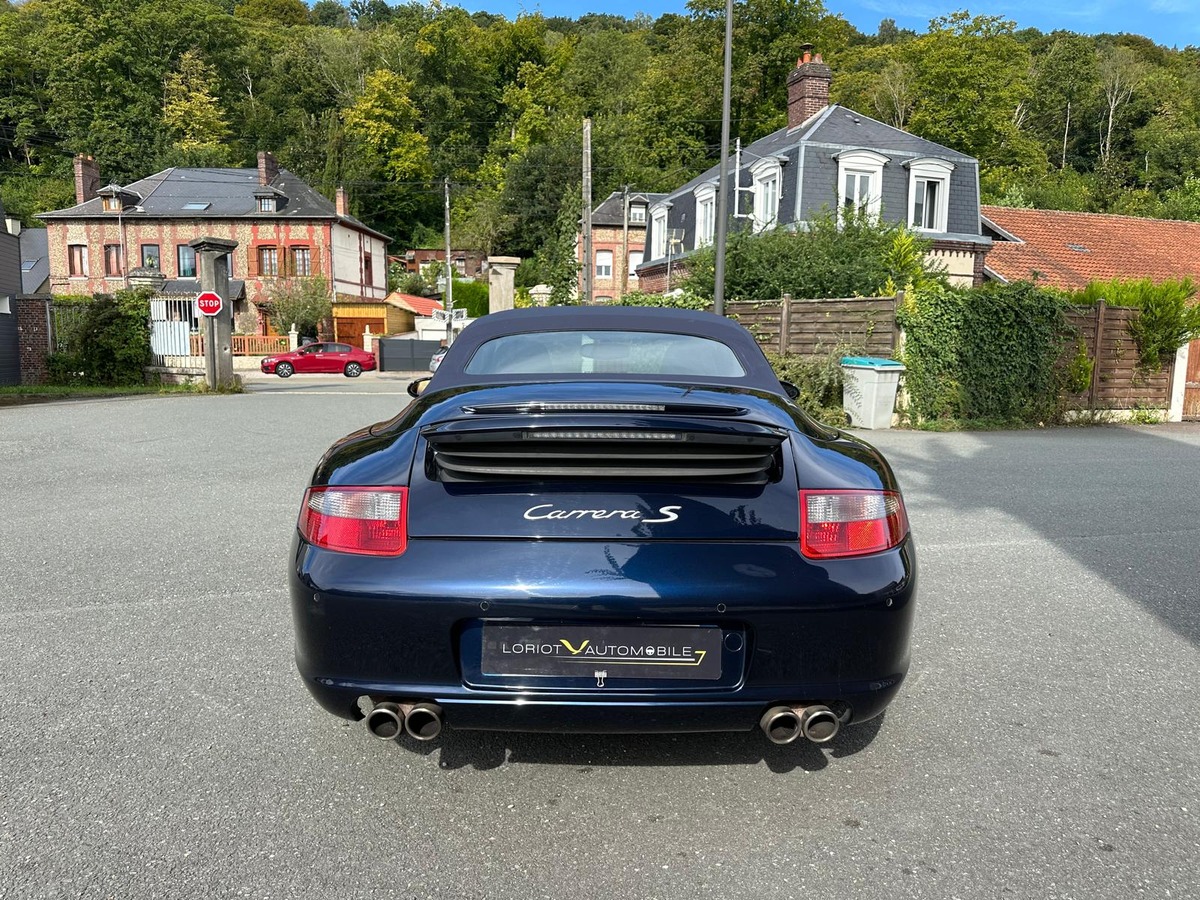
[(218, 335), (502, 272), (33, 332), (1178, 384), (293, 338), (540, 294)]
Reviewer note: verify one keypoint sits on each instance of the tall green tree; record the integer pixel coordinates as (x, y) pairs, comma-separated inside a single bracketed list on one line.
[(193, 116), (971, 79)]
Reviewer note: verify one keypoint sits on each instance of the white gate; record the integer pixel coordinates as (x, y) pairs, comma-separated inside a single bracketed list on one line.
[(175, 340)]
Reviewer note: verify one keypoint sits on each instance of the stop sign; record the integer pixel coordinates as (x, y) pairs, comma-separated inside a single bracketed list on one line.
[(209, 302)]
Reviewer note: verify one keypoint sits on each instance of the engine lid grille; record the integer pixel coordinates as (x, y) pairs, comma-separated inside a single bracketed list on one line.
[(668, 451)]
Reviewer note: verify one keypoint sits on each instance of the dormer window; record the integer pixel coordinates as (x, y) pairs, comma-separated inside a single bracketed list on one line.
[(658, 231), (768, 178), (114, 198), (860, 182), (266, 204), (929, 194), (637, 214), (706, 214)]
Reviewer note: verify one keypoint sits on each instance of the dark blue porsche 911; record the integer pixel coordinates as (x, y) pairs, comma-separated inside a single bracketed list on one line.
[(603, 520)]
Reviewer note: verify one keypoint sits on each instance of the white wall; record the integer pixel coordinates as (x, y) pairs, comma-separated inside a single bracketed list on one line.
[(349, 245)]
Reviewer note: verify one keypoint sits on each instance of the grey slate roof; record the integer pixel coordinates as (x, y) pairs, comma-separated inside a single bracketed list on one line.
[(844, 127), (610, 211), (35, 259), (835, 126), (227, 193)]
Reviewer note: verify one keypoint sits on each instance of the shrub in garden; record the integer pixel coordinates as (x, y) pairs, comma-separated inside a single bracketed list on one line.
[(829, 257), (471, 296), (1169, 318), (110, 344)]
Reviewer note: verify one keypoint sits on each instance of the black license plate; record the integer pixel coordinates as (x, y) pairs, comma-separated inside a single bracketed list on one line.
[(603, 651)]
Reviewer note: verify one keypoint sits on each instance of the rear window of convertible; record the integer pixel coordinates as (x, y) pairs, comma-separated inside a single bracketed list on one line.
[(613, 352)]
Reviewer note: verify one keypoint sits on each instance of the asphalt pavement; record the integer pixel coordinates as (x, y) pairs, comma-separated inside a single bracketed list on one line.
[(155, 741)]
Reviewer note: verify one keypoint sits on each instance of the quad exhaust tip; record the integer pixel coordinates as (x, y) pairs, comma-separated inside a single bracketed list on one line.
[(783, 724), (388, 720), (424, 721)]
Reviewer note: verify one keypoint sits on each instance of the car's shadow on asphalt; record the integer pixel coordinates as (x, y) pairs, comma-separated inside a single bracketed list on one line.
[(484, 750)]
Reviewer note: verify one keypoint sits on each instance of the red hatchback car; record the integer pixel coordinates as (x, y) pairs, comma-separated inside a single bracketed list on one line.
[(350, 361)]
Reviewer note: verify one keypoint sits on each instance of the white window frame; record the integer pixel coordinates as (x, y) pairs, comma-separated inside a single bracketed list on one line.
[(920, 173), (658, 231), (764, 174), (862, 164), (604, 270), (706, 215), (637, 213), (636, 258)]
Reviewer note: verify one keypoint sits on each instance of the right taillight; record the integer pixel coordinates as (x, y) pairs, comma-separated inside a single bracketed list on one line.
[(850, 523), (368, 520)]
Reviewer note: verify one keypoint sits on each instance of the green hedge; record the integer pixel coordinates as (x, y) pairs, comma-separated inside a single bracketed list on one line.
[(992, 354), (472, 296), (111, 345)]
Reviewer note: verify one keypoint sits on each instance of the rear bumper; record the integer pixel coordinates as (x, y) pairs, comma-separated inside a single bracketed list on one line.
[(473, 710), (834, 633)]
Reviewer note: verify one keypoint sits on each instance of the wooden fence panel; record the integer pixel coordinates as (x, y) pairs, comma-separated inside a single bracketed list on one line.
[(1118, 381), (815, 327)]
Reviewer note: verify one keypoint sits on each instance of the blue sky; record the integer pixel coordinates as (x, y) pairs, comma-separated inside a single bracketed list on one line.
[(1169, 22)]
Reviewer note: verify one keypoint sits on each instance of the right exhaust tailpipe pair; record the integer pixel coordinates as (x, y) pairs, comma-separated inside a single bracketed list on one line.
[(783, 724), (422, 721)]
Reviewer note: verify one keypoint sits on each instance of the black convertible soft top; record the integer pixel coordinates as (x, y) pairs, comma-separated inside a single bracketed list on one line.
[(758, 372)]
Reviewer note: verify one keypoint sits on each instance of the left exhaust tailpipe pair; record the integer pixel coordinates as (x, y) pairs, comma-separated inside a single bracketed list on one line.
[(422, 721), (783, 724)]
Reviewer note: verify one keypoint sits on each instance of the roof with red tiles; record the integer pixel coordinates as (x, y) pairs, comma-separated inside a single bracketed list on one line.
[(1071, 249), (422, 306)]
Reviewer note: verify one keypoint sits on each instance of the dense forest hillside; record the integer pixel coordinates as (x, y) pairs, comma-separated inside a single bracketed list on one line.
[(389, 100)]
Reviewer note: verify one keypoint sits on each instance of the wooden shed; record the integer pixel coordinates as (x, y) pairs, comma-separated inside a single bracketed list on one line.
[(395, 314)]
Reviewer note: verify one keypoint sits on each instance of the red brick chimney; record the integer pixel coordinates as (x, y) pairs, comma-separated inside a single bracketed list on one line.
[(268, 169), (87, 178), (342, 202), (808, 87)]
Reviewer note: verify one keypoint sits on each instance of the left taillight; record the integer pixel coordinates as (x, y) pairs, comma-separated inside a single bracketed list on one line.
[(367, 520), (837, 524)]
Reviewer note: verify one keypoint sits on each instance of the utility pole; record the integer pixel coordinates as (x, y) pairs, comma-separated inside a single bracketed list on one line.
[(449, 273), (625, 240), (722, 187), (587, 212)]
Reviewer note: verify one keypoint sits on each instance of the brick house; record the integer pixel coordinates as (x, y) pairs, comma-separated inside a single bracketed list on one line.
[(618, 244), (283, 229), (828, 157), (467, 263)]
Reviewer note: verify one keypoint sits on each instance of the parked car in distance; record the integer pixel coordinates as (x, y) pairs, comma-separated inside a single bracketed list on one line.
[(603, 519), (436, 359), (320, 357)]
